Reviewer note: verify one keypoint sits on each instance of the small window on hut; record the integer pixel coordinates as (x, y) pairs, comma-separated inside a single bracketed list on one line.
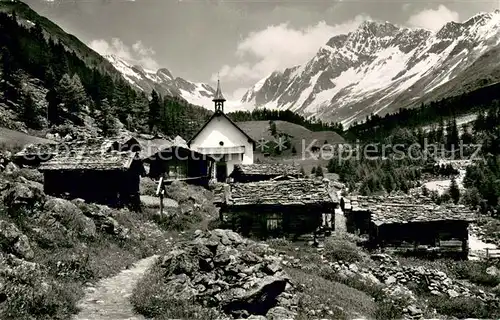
[(274, 221)]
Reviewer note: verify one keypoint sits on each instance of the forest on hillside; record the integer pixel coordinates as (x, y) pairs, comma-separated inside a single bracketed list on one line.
[(377, 128), (380, 173), (312, 124), (76, 89)]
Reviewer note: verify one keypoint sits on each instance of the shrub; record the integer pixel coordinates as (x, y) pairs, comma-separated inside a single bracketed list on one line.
[(463, 307), (342, 249), (476, 273), (147, 187)]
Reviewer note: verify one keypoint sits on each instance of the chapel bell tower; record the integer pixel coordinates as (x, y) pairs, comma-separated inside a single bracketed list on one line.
[(219, 99)]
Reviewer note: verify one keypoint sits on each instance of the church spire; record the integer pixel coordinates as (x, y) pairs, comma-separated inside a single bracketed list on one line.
[(219, 98)]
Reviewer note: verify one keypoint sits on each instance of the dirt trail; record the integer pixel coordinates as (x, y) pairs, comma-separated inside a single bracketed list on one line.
[(109, 299)]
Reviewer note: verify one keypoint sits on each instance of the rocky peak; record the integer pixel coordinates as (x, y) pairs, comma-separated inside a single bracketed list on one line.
[(165, 72), (450, 30)]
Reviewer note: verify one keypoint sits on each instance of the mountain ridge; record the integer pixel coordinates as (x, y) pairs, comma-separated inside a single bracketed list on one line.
[(379, 68), (163, 82)]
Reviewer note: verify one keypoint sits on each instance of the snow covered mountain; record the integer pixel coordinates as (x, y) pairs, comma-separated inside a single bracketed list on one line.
[(164, 83), (381, 67)]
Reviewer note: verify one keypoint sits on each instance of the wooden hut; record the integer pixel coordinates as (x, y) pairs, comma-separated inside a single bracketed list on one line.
[(110, 178), (412, 225), (288, 208), (178, 162), (261, 172)]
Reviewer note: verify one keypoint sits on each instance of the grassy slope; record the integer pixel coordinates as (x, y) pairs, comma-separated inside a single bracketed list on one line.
[(301, 136), (10, 139), (260, 130)]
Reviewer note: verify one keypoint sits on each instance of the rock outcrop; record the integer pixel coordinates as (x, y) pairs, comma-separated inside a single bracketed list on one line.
[(221, 269), (12, 240)]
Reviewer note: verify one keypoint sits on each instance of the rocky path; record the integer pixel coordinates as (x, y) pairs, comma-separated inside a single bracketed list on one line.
[(109, 299)]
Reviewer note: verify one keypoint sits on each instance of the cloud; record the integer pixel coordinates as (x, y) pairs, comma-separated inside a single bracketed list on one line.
[(280, 46), (433, 19), (138, 53)]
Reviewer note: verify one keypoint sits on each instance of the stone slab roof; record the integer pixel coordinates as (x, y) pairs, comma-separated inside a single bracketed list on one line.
[(270, 169), (91, 160), (284, 192), (406, 209)]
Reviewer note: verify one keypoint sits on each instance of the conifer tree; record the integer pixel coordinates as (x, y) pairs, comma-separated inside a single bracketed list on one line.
[(107, 122), (154, 111), (30, 114), (454, 191)]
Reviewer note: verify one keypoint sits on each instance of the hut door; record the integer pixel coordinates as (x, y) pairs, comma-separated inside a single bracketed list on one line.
[(221, 171), (274, 224)]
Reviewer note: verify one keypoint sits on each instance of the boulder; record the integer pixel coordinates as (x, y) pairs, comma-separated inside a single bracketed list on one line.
[(11, 168), (69, 215), (220, 269), (493, 271), (256, 300), (13, 240), (280, 313)]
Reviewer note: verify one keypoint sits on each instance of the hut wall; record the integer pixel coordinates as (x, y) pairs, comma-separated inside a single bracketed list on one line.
[(179, 165), (422, 235), (264, 221), (107, 187), (357, 222)]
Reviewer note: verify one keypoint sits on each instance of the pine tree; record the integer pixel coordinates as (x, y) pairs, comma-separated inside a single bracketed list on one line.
[(319, 171), (30, 114), (154, 111), (302, 172), (272, 128), (71, 93), (454, 191), (107, 122), (313, 171)]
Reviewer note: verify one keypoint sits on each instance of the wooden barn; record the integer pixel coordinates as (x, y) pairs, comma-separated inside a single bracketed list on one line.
[(178, 162), (289, 208), (110, 177), (411, 225), (261, 172)]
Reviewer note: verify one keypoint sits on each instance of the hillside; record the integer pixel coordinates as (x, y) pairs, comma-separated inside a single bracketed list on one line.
[(381, 67), (50, 80), (29, 17), (10, 139), (299, 135)]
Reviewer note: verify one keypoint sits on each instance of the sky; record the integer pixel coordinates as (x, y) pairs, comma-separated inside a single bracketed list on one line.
[(241, 41)]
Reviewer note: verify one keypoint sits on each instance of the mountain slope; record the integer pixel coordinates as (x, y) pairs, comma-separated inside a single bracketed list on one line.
[(381, 67), (71, 43), (164, 83), (51, 81)]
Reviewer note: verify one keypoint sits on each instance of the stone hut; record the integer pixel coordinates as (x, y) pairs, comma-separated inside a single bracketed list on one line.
[(261, 172), (290, 208), (410, 224)]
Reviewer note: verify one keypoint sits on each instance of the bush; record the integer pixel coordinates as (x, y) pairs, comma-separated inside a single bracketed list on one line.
[(147, 187), (342, 249), (476, 273), (30, 293), (463, 307)]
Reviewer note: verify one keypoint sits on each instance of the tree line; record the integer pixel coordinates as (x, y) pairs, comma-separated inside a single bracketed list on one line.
[(312, 124)]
